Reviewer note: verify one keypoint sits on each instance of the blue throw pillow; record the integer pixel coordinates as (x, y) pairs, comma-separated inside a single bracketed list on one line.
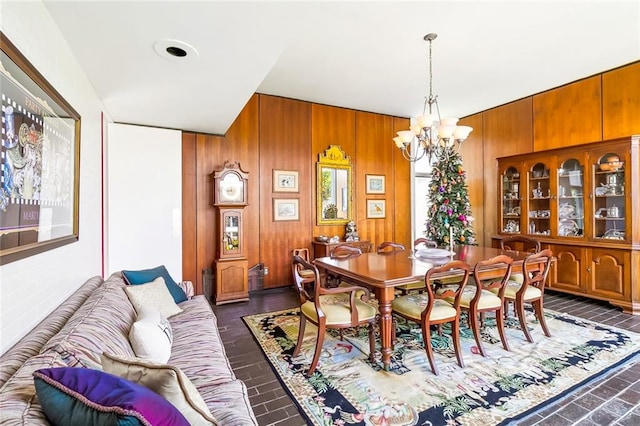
[(72, 396), (147, 275)]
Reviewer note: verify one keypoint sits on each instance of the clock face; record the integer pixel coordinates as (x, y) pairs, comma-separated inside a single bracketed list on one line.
[(231, 189)]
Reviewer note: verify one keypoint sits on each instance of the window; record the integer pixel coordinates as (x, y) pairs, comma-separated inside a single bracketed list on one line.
[(422, 179)]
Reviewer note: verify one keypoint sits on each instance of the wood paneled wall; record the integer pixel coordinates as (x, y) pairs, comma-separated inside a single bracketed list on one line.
[(279, 133), (621, 102), (568, 115), (601, 107), (506, 130), (203, 154), (285, 134)]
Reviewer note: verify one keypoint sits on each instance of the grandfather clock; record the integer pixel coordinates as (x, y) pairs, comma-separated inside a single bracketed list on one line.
[(230, 197)]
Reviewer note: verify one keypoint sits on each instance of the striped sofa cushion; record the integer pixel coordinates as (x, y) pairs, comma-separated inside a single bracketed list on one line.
[(101, 324), (18, 402), (197, 350), (32, 343)]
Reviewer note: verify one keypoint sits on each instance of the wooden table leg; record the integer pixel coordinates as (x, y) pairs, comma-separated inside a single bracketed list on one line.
[(385, 297)]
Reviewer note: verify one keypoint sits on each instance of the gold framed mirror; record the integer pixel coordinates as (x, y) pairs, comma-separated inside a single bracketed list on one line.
[(333, 187)]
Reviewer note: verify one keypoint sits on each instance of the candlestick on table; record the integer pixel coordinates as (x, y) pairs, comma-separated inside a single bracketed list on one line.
[(451, 238)]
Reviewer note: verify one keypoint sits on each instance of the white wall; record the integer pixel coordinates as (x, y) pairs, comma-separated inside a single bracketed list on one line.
[(31, 288), (144, 201)]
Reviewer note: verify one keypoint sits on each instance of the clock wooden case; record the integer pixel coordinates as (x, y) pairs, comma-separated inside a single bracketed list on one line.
[(230, 196)]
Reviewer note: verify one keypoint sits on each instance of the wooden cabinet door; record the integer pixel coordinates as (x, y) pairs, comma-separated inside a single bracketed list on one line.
[(609, 274), (537, 220), (610, 170), (512, 185), (567, 272), (232, 281), (571, 206)]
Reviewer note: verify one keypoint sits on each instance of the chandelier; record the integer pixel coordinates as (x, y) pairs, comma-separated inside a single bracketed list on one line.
[(428, 135)]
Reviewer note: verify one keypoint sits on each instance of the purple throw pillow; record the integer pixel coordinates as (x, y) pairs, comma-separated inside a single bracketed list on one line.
[(82, 396)]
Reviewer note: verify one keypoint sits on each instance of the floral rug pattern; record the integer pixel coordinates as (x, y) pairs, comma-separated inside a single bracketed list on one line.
[(347, 389)]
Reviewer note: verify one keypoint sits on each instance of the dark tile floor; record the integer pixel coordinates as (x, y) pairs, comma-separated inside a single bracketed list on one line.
[(611, 400)]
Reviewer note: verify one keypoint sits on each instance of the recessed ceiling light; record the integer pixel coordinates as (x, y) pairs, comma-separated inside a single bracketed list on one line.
[(175, 50)]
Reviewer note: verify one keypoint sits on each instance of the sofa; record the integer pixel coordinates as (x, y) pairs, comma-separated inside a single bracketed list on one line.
[(97, 319)]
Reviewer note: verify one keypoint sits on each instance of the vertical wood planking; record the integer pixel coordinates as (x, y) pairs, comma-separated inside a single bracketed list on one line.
[(507, 130), (621, 102), (374, 149), (189, 216), (331, 126), (285, 144), (402, 188), (568, 115)]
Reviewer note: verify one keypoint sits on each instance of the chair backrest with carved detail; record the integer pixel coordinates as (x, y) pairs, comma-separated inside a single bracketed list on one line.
[(484, 274), (516, 241), (424, 243), (537, 277), (344, 251), (389, 247), (454, 287)]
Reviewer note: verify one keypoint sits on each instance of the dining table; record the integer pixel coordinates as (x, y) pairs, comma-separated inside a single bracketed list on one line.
[(385, 271)]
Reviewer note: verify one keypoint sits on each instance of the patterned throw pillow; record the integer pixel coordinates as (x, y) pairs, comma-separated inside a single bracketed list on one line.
[(168, 381), (147, 275), (72, 396), (152, 295), (151, 335)]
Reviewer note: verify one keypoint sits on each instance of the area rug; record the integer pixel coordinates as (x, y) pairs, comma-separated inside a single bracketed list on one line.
[(494, 390)]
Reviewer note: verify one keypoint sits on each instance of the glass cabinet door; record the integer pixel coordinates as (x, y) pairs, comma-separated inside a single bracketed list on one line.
[(609, 198), (539, 213), (231, 230), (511, 201), (570, 198)]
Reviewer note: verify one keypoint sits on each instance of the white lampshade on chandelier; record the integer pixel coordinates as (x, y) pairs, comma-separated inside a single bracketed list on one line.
[(430, 134)]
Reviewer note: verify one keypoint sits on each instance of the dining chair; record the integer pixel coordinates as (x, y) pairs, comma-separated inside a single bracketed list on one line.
[(531, 290), (485, 293), (306, 274), (430, 308), (419, 242), (529, 244), (331, 308), (341, 252), (514, 243), (418, 285), (344, 251), (388, 247)]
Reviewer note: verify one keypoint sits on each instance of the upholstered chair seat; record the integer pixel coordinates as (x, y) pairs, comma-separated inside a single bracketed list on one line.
[(337, 309), (412, 306)]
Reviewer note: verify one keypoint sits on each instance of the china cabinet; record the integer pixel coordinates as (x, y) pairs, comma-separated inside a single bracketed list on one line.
[(583, 203), (231, 265)]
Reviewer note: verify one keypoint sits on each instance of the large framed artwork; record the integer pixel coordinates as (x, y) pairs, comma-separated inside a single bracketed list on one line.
[(39, 161)]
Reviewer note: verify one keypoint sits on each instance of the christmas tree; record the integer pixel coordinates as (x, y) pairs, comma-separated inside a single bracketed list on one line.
[(449, 211)]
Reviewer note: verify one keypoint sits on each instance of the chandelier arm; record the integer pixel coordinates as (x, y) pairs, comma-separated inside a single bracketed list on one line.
[(428, 139)]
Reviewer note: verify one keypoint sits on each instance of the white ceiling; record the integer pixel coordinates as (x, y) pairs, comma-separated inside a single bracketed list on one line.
[(367, 56)]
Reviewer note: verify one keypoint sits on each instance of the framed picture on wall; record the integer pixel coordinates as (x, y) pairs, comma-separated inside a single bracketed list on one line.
[(40, 161), (376, 209), (285, 181), (286, 209), (375, 184)]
